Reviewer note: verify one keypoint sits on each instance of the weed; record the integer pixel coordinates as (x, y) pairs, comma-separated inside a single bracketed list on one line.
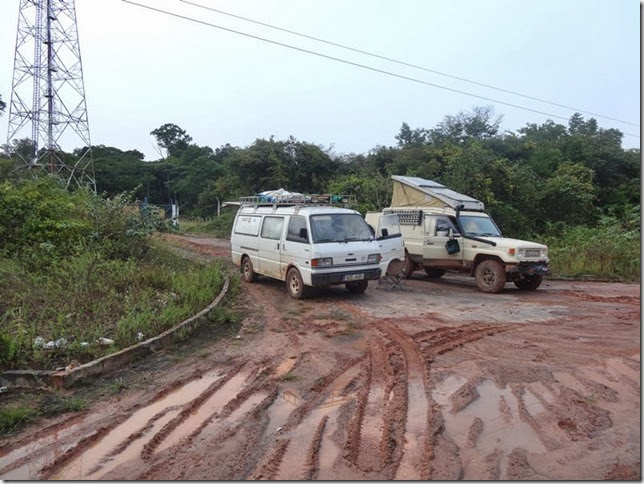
[(12, 418), (117, 386), (289, 377), (57, 402)]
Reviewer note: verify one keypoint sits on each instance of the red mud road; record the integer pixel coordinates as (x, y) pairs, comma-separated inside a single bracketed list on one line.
[(436, 381)]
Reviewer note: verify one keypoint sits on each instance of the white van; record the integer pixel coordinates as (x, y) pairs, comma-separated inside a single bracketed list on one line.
[(307, 245)]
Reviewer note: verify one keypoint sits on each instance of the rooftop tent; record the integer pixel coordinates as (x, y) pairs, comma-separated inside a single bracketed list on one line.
[(411, 191)]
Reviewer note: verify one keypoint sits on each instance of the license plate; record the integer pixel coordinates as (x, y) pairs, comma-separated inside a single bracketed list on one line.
[(354, 277)]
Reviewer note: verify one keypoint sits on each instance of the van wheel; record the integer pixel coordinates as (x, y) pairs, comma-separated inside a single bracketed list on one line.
[(294, 285), (409, 265), (357, 287), (530, 283), (490, 276), (434, 273), (247, 271)]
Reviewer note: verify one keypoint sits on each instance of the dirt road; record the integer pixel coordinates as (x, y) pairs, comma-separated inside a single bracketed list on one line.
[(436, 381)]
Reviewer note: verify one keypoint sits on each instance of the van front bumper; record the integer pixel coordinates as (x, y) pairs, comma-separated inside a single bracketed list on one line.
[(330, 278)]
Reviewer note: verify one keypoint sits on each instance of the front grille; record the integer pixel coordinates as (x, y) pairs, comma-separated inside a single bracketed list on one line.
[(533, 252)]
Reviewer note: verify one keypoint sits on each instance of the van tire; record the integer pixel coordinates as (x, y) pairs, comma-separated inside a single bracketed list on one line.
[(409, 265), (357, 287), (247, 271), (490, 276), (530, 283), (434, 273), (294, 284)]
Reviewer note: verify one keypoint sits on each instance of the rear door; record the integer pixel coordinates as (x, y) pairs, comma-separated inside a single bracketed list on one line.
[(270, 246), (390, 240)]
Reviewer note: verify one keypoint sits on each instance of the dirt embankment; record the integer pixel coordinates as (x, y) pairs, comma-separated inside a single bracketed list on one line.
[(436, 381)]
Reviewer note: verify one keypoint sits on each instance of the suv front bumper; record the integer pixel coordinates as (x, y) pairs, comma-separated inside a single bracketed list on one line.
[(540, 268)]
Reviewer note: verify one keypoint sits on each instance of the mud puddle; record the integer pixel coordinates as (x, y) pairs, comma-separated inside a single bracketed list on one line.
[(88, 460)]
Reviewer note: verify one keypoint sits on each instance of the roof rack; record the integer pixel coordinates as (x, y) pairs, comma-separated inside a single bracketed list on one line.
[(296, 199)]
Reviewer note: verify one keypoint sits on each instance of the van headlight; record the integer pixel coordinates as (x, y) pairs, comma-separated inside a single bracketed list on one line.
[(323, 262), (373, 258)]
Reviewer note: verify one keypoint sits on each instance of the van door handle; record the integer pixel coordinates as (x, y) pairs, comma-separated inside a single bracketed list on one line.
[(278, 246)]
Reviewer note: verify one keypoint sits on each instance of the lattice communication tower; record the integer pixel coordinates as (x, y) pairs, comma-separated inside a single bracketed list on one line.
[(48, 104)]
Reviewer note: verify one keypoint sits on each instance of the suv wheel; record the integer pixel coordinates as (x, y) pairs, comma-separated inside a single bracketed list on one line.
[(409, 265), (248, 273), (490, 276), (294, 285), (357, 287), (530, 283), (434, 273)]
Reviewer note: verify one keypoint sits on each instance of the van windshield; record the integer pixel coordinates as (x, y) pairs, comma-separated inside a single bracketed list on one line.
[(479, 226), (341, 227)]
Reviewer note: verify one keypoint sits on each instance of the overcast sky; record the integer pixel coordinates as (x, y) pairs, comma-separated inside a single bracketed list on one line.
[(143, 69)]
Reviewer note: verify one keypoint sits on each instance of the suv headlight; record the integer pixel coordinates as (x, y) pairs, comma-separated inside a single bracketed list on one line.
[(373, 258)]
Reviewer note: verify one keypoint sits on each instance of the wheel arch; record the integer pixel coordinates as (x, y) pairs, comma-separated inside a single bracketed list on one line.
[(480, 258)]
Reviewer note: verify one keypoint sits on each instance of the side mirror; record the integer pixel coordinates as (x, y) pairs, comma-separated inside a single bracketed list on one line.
[(385, 233), (304, 234), (451, 233)]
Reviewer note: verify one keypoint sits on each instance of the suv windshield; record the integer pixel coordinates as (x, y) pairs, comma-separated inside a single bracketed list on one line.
[(341, 227), (479, 226)]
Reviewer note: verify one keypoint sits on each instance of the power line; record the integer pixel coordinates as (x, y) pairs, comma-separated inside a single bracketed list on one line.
[(408, 64), (344, 61)]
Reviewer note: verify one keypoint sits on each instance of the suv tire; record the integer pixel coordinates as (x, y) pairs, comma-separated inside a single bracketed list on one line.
[(434, 273), (490, 276), (530, 283), (409, 265), (357, 287)]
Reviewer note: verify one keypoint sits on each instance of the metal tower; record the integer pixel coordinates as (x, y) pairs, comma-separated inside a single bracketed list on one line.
[(48, 94)]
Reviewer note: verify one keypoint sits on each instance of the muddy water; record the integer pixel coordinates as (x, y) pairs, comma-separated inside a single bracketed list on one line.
[(80, 467), (43, 451), (211, 430), (301, 443), (415, 432), (502, 427), (133, 451), (211, 406)]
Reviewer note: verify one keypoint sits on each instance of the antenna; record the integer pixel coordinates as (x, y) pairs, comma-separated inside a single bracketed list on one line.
[(48, 105)]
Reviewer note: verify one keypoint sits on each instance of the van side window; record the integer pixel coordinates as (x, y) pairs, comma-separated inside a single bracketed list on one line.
[(248, 225), (294, 229), (272, 228)]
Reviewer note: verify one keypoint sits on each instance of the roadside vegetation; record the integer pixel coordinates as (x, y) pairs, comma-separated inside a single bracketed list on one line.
[(80, 276)]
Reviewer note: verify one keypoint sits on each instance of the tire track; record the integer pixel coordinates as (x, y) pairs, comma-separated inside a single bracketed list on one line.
[(413, 463), (90, 451)]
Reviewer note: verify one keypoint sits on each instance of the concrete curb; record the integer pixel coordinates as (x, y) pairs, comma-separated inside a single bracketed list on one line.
[(67, 378)]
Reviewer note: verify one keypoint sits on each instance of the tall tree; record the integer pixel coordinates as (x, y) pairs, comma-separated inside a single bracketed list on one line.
[(171, 138)]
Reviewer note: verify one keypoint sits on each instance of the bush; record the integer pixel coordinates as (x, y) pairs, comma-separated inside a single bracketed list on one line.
[(609, 250)]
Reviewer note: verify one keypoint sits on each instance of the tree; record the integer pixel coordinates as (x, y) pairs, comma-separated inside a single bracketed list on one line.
[(480, 124), (171, 138), (3, 105)]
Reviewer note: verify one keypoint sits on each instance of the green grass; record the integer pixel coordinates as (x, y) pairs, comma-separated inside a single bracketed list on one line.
[(605, 252), (86, 297), (12, 418), (289, 377), (217, 226)]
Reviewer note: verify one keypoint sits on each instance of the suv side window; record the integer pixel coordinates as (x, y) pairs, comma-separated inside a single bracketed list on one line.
[(296, 223), (272, 227)]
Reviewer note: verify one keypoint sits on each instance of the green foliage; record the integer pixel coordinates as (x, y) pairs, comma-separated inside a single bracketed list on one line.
[(611, 250), (14, 417)]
